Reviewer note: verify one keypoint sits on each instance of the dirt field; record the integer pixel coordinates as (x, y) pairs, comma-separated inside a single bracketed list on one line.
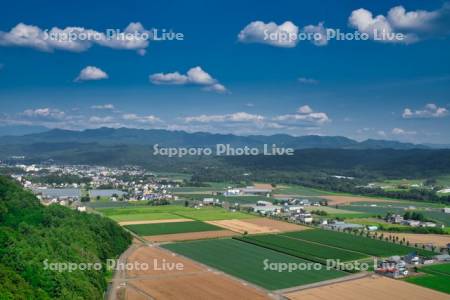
[(193, 282), (189, 236), (373, 288), (436, 239), (258, 225), (333, 200), (154, 221)]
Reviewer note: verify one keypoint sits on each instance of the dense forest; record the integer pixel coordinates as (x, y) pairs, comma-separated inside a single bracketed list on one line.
[(32, 234)]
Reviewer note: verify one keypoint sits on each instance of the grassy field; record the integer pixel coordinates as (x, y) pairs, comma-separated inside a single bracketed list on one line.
[(300, 191), (355, 243), (143, 217), (169, 228), (141, 213), (303, 249), (437, 277), (212, 214), (248, 262), (435, 214), (437, 269)]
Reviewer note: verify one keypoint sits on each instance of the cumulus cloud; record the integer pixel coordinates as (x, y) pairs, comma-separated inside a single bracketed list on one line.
[(48, 114), (141, 119), (430, 110), (234, 117), (91, 73), (305, 114), (412, 25), (194, 76), (319, 34), (103, 107), (75, 39), (400, 131), (284, 35)]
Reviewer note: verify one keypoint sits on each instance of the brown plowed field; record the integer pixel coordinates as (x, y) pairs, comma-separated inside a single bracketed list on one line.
[(195, 281), (372, 288), (175, 237), (333, 200), (257, 225), (436, 239)]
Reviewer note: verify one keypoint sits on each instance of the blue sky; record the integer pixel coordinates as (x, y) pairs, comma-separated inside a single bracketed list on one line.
[(238, 82)]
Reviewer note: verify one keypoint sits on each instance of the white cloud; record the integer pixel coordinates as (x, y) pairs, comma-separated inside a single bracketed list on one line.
[(305, 114), (430, 110), (48, 114), (284, 35), (305, 109), (319, 33), (141, 119), (91, 73), (401, 19), (217, 87), (381, 133), (306, 80), (197, 76), (168, 78), (101, 120), (413, 25), (81, 39), (103, 106), (194, 76), (234, 117), (400, 131)]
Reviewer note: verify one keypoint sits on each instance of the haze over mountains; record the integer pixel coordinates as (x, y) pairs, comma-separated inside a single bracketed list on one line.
[(165, 138)]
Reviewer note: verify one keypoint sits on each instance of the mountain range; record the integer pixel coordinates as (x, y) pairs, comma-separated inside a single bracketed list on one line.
[(165, 138)]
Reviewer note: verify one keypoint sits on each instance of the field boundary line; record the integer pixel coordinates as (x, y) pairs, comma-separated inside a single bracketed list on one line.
[(324, 283)]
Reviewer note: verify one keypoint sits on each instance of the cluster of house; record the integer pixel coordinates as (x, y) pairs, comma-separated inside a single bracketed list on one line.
[(398, 267), (290, 209), (128, 183), (258, 189), (398, 219)]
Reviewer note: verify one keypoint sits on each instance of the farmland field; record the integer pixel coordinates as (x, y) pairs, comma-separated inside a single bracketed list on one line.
[(246, 261), (435, 214), (303, 249), (437, 269), (211, 214), (355, 243), (432, 281), (142, 213), (299, 190), (373, 288), (170, 228)]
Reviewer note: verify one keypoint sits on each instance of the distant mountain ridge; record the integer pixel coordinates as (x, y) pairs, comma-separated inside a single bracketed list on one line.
[(165, 138)]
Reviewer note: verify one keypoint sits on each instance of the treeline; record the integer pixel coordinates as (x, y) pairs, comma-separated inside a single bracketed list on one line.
[(32, 235), (316, 179)]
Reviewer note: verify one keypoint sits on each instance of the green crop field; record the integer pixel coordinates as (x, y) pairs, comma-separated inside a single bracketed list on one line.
[(170, 228), (250, 262), (143, 217), (300, 190), (143, 213), (303, 249), (355, 243), (211, 214), (437, 269), (437, 277), (435, 282)]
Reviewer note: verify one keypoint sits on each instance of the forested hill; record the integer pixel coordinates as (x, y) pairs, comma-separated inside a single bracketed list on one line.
[(31, 233)]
